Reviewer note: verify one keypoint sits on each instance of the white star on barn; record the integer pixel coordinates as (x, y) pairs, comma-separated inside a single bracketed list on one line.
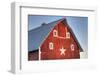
[(62, 51)]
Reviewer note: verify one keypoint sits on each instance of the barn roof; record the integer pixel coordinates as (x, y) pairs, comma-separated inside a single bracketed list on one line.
[(36, 36)]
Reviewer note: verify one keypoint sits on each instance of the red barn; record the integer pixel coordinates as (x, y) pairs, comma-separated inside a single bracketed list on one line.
[(54, 40)]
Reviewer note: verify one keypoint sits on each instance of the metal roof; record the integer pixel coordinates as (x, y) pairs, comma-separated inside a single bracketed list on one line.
[(36, 36)]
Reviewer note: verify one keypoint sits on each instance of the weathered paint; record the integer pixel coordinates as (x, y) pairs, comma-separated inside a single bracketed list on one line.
[(58, 43)]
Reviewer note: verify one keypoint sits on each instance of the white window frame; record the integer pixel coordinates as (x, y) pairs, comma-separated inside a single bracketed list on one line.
[(72, 47), (55, 33), (67, 34), (51, 46)]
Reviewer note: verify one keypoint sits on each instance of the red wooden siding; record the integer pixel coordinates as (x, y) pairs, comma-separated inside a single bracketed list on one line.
[(33, 55), (58, 43)]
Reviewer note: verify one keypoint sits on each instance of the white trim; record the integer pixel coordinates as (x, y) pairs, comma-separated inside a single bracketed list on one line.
[(55, 33), (51, 46), (72, 47), (39, 53), (61, 37), (68, 35)]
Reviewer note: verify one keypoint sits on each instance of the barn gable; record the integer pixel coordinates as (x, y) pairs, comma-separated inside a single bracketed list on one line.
[(71, 31), (37, 36)]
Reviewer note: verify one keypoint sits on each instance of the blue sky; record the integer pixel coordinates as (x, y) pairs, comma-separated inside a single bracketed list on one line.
[(78, 24)]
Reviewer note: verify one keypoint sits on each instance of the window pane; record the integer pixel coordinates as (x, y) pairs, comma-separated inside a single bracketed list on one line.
[(51, 46), (55, 33), (68, 35)]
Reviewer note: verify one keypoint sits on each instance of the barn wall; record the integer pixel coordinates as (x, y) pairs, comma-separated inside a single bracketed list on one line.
[(59, 42), (33, 55)]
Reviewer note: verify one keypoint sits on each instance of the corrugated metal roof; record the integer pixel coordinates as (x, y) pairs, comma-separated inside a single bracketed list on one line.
[(37, 35)]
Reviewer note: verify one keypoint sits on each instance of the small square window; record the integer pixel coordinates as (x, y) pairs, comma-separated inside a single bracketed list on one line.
[(67, 35), (55, 33), (51, 46), (72, 47)]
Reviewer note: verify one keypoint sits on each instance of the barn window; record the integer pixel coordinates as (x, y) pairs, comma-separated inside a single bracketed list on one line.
[(55, 33), (51, 46), (72, 47), (67, 35)]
